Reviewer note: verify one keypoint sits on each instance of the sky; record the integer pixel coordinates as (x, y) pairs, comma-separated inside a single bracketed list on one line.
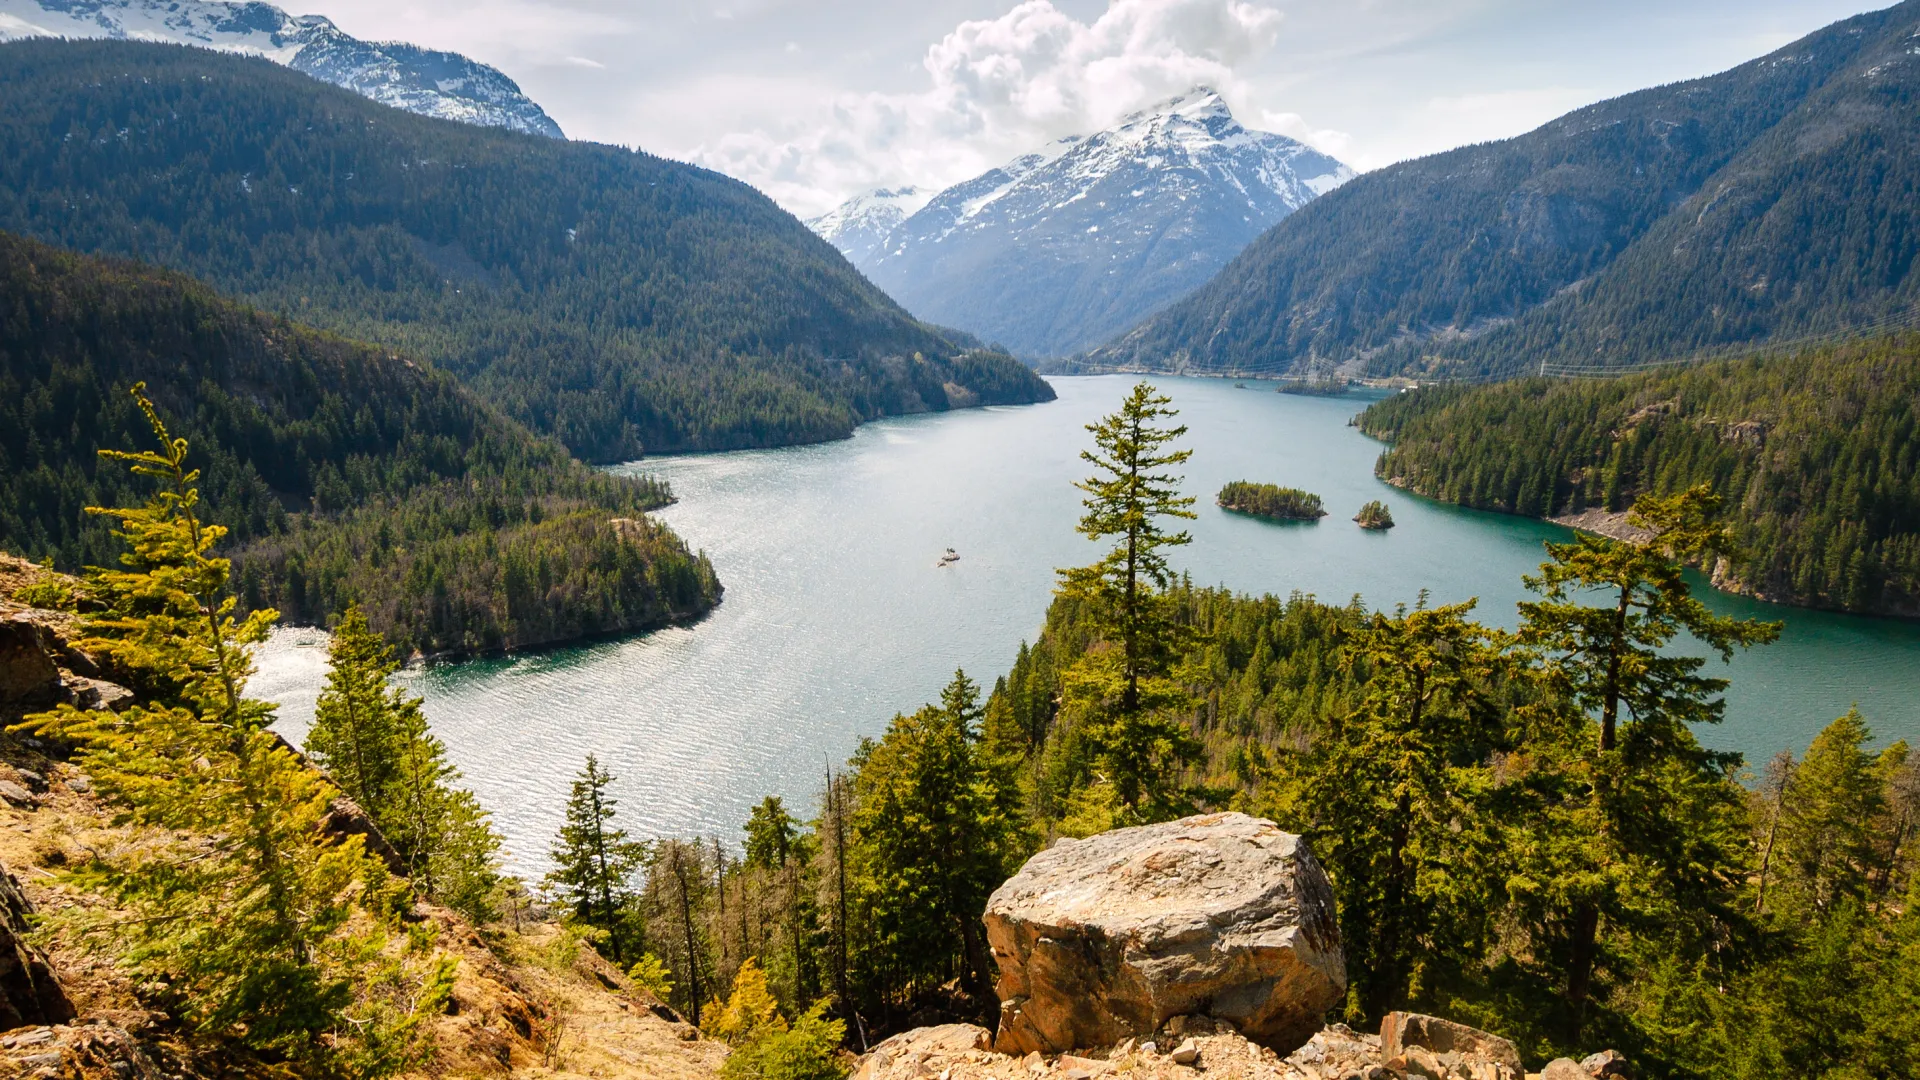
[(813, 101)]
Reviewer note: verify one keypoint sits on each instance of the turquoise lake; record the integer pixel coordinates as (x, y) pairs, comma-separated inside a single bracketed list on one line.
[(837, 615)]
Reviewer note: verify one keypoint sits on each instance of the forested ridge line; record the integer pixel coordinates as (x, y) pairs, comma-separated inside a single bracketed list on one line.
[(619, 302), (342, 472), (1771, 200), (1817, 452)]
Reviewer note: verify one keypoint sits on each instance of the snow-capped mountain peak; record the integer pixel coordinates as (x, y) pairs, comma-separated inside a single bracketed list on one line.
[(426, 81), (1060, 248), (858, 225)]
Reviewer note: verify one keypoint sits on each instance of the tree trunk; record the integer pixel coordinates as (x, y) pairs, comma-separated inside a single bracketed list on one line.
[(1773, 830), (1586, 929), (686, 923)]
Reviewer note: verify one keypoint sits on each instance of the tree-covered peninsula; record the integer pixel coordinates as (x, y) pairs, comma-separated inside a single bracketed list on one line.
[(343, 473), (1270, 501), (1816, 451)]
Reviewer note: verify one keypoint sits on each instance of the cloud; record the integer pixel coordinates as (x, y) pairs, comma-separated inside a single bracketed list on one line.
[(1294, 126), (581, 61), (996, 88)]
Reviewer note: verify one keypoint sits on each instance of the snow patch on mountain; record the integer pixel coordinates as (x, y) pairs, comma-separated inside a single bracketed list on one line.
[(860, 224), (1062, 248), (426, 81)]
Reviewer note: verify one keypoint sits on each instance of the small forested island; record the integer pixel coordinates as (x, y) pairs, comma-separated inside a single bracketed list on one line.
[(1270, 501), (1374, 515), (1815, 450)]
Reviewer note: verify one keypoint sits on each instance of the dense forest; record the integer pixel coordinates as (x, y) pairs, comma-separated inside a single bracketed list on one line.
[(1816, 451), (1774, 200), (619, 302), (342, 473), (1522, 830)]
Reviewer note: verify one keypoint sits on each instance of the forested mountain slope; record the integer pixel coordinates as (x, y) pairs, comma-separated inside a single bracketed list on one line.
[(617, 301), (1817, 453), (1770, 200), (344, 473)]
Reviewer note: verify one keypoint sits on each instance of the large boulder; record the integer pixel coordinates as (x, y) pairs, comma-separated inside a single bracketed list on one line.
[(1108, 938)]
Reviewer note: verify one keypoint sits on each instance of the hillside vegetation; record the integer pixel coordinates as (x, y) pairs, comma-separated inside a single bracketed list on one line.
[(617, 301), (1771, 200), (1817, 453), (344, 473)]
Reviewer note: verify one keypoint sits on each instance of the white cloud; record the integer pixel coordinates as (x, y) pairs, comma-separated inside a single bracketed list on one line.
[(1442, 123), (1294, 126), (581, 61), (997, 88)]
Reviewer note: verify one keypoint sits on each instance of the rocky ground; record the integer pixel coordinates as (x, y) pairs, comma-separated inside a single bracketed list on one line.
[(1202, 1051), (1609, 523)]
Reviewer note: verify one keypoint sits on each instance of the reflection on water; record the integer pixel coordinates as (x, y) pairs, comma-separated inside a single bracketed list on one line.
[(838, 614)]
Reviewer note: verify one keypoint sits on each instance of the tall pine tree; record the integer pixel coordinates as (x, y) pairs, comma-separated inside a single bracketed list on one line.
[(1121, 696), (373, 739), (595, 864), (1660, 827)]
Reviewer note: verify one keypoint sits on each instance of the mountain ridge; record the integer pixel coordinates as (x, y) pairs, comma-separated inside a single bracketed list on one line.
[(1062, 247), (430, 82), (1630, 230), (621, 303)]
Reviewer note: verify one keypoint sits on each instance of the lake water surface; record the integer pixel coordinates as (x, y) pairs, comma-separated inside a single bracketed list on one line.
[(837, 617)]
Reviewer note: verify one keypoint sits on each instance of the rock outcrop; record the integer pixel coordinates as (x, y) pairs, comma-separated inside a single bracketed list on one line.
[(29, 991), (1223, 916), (29, 678), (1402, 1032)]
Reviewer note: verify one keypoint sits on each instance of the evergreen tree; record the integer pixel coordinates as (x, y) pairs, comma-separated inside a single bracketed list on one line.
[(1657, 826), (373, 739), (1399, 785), (441, 831), (934, 837), (1828, 828), (1127, 707), (252, 933), (770, 834), (777, 854), (595, 864), (356, 722)]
